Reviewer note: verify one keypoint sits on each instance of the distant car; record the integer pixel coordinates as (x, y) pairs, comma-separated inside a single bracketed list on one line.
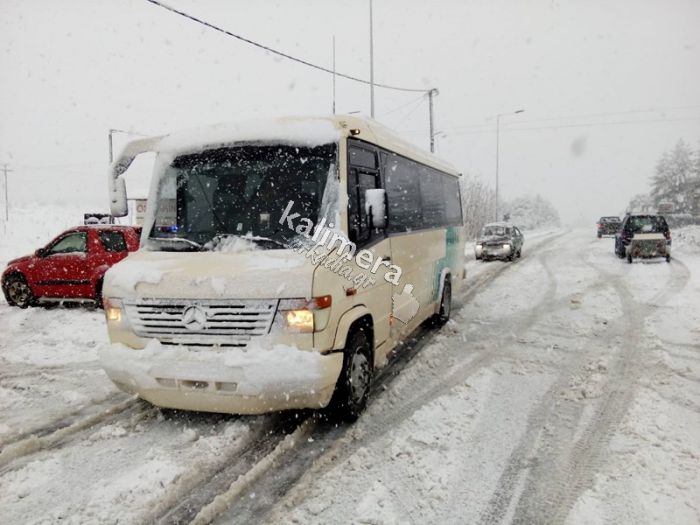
[(643, 236), (608, 226), (499, 240), (70, 267)]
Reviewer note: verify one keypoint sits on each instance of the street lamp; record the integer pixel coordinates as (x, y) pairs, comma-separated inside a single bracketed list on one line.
[(498, 130), (437, 135)]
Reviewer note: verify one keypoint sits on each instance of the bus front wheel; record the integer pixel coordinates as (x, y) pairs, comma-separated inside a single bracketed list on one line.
[(352, 389)]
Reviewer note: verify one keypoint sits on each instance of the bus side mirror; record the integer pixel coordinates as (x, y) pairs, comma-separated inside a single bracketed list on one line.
[(118, 205), (375, 208)]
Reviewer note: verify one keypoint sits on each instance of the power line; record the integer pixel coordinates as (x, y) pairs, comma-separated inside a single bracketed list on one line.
[(53, 166), (402, 106), (419, 103), (590, 124), (280, 53), (490, 125)]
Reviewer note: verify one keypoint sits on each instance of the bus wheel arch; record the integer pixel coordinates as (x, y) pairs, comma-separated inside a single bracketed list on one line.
[(443, 308), (355, 379)]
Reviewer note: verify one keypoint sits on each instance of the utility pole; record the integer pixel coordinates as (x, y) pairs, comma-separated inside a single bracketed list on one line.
[(6, 170), (431, 93), (371, 62), (111, 132), (334, 74), (498, 128)]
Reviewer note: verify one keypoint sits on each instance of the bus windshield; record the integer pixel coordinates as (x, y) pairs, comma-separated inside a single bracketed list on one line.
[(239, 191)]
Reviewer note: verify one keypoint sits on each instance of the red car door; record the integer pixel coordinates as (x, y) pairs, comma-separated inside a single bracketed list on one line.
[(62, 270), (111, 248)]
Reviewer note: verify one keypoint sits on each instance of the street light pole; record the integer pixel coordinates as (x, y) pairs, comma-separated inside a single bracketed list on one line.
[(498, 139), (6, 170), (111, 132), (431, 93), (371, 62)]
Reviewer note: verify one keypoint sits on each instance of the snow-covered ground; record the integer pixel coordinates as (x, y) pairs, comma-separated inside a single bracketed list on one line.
[(565, 389)]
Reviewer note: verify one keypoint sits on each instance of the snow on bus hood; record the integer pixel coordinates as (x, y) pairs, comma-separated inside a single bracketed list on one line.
[(202, 275)]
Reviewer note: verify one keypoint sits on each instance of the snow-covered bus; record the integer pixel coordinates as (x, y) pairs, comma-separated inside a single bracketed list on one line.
[(281, 263)]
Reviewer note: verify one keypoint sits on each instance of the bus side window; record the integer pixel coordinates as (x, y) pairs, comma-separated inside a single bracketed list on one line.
[(453, 202), (432, 195), (403, 193)]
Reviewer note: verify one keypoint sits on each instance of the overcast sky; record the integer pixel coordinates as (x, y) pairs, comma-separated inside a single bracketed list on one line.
[(73, 69)]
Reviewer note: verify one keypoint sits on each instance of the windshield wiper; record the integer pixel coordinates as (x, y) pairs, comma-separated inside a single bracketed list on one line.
[(216, 240), (186, 242)]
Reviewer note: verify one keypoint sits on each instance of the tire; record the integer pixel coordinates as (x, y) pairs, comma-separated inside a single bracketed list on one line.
[(600, 235), (629, 258), (17, 291), (443, 315), (352, 389), (519, 254), (98, 294), (668, 258)]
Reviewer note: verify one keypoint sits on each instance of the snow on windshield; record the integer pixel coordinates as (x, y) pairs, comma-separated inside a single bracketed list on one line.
[(242, 191)]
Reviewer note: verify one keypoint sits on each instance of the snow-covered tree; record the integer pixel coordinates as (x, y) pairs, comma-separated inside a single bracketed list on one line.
[(641, 203), (531, 212), (675, 178), (478, 204)]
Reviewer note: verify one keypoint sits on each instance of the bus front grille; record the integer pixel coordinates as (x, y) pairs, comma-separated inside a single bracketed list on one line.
[(207, 322)]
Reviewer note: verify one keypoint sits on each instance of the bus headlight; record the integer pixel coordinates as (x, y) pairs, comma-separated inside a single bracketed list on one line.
[(300, 320), (303, 315), (506, 246), (113, 310)]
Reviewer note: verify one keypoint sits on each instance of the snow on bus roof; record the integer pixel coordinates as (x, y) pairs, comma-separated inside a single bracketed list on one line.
[(288, 130), (301, 131)]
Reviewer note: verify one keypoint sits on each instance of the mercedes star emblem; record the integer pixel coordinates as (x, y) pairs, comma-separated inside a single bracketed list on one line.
[(194, 318)]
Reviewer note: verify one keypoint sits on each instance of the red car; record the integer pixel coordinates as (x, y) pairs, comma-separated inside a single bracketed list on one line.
[(70, 267)]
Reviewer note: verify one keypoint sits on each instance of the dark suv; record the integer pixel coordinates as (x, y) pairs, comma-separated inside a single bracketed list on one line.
[(643, 236), (608, 226)]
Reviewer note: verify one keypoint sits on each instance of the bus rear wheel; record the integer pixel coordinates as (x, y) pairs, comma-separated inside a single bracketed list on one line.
[(443, 314)]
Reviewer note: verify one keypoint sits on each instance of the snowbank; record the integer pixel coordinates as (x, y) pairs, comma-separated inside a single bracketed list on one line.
[(32, 227), (687, 239)]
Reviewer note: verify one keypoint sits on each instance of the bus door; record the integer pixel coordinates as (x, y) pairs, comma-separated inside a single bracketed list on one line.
[(363, 174)]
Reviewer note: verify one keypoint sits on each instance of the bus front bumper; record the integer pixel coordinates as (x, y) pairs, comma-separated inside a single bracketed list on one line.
[(227, 380)]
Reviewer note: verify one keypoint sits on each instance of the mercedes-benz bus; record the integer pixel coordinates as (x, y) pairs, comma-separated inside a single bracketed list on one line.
[(281, 263)]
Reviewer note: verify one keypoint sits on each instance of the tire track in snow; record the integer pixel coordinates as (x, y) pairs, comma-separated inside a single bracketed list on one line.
[(202, 494), (550, 468), (69, 429)]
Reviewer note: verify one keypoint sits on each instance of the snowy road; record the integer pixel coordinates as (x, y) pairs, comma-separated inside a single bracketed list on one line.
[(566, 389)]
